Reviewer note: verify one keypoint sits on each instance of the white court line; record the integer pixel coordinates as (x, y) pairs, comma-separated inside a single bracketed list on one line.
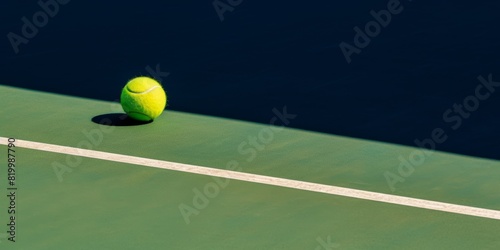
[(281, 182)]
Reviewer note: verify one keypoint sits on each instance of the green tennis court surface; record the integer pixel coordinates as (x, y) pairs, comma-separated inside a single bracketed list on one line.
[(72, 202)]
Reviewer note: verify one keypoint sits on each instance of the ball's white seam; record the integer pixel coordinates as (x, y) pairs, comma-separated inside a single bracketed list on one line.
[(144, 92)]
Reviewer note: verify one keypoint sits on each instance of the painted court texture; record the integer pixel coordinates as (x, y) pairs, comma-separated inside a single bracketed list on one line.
[(105, 203)]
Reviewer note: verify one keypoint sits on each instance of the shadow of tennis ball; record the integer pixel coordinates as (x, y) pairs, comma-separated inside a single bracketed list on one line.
[(117, 119)]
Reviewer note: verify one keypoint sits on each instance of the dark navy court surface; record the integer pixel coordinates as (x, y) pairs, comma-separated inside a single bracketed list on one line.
[(272, 54)]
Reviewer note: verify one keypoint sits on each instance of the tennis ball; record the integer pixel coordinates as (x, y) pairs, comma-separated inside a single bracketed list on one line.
[(143, 99)]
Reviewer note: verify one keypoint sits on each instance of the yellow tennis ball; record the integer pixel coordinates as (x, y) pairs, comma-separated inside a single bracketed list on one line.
[(143, 99)]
